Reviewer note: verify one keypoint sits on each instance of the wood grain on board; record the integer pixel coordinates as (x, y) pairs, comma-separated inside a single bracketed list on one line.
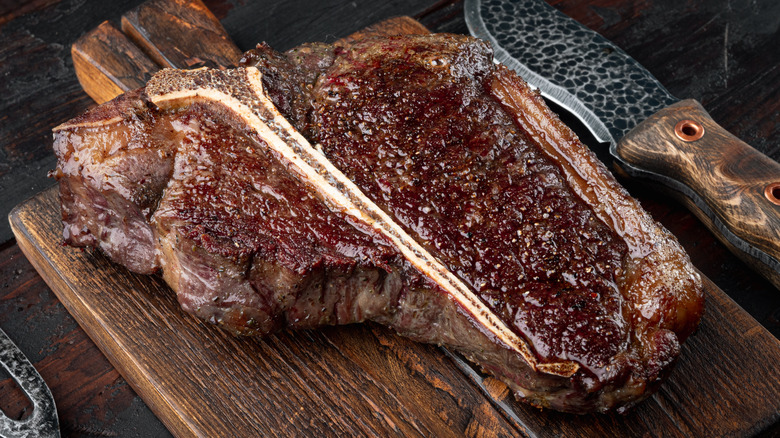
[(107, 63), (180, 33), (363, 379)]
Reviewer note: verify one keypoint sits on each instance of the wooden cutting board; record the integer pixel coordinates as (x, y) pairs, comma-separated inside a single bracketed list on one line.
[(353, 380)]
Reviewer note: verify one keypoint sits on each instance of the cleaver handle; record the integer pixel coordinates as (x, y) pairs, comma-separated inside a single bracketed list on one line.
[(733, 188)]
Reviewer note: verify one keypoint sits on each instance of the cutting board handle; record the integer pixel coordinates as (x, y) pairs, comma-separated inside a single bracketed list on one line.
[(180, 34), (733, 188), (156, 34), (107, 63), (176, 34)]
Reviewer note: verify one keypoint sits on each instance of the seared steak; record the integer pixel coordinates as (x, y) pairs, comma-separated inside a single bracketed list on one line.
[(442, 199)]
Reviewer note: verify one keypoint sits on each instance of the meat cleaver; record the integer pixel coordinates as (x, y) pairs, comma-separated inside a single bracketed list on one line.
[(731, 187)]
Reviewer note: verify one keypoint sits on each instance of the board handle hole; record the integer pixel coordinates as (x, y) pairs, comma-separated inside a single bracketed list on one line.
[(772, 193), (689, 130)]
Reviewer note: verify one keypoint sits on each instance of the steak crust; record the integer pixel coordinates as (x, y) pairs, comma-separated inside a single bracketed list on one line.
[(443, 199)]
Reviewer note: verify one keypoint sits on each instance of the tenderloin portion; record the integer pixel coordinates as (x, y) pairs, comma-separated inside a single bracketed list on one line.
[(443, 199)]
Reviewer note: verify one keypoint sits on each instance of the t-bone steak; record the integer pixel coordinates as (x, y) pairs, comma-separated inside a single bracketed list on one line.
[(405, 180)]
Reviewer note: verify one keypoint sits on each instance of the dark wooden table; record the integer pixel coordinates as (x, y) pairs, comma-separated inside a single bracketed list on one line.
[(725, 53)]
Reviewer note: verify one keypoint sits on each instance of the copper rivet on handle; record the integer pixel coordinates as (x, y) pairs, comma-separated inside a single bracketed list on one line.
[(689, 130), (772, 192)]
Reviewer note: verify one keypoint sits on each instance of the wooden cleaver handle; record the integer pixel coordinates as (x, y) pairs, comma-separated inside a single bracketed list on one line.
[(732, 188)]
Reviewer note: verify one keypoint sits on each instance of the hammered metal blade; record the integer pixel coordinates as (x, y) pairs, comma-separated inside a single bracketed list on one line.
[(43, 421), (570, 64)]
